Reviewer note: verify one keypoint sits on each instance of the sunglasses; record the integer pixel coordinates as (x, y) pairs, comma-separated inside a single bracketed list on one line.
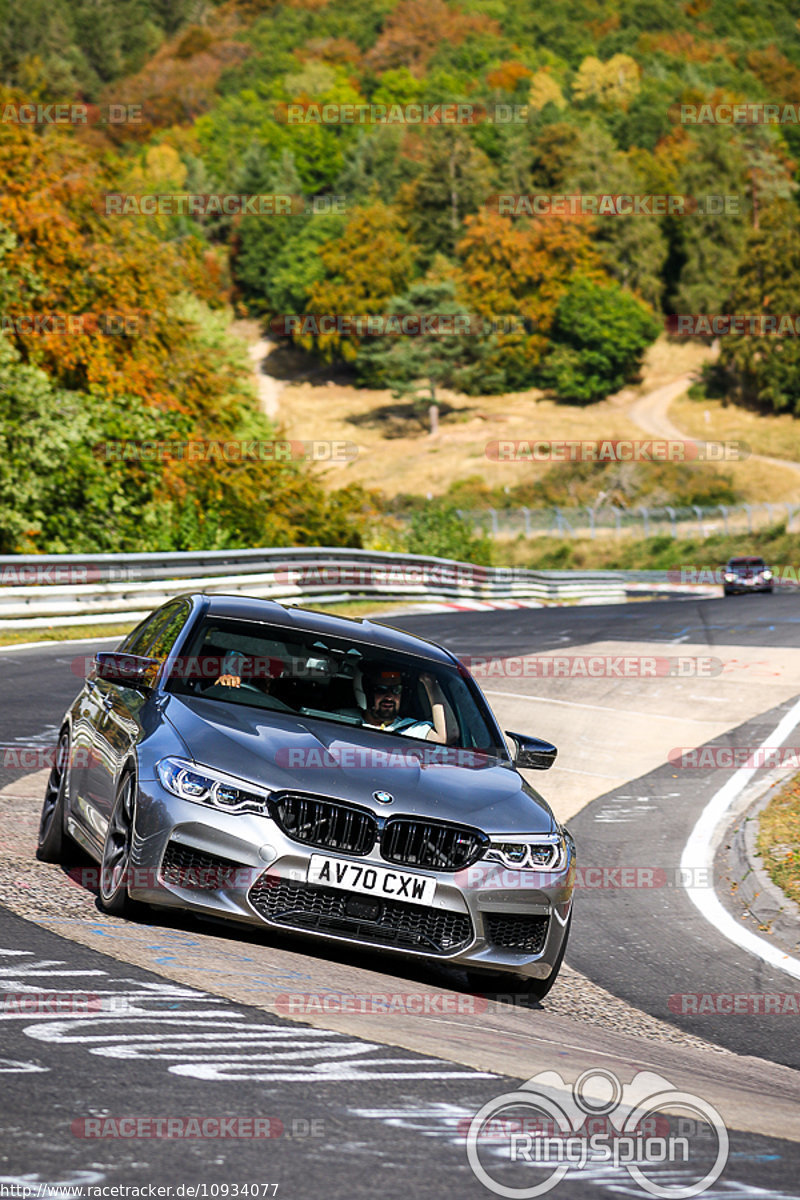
[(393, 689)]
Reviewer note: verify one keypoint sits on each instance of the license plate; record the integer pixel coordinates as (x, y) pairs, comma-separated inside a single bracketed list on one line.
[(373, 881)]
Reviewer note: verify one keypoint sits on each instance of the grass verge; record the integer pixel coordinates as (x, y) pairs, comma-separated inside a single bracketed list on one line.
[(64, 633), (779, 839), (610, 553)]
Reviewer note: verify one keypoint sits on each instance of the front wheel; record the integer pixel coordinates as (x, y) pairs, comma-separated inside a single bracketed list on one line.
[(115, 863), (51, 843)]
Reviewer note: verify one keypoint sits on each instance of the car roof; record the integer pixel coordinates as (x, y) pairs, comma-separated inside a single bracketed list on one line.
[(252, 608), (747, 561)]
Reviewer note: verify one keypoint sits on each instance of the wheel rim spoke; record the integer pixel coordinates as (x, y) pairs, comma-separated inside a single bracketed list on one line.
[(54, 785), (118, 842)]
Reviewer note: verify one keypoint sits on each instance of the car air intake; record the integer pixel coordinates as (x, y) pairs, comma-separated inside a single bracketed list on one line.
[(436, 845), (360, 918), (184, 866), (329, 824), (516, 931)]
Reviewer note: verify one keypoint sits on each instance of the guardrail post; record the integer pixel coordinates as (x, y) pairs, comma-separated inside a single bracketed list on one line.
[(672, 522), (723, 508), (559, 523), (768, 507), (526, 514), (748, 508), (646, 517), (699, 512), (590, 511), (617, 519), (493, 515)]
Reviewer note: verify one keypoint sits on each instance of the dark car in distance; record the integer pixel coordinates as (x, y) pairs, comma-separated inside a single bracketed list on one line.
[(746, 574), (316, 775)]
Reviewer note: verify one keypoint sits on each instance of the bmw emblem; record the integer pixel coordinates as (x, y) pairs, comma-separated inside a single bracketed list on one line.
[(383, 797)]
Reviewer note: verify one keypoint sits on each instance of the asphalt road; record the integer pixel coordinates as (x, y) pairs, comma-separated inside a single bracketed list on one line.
[(89, 1093), (646, 944)]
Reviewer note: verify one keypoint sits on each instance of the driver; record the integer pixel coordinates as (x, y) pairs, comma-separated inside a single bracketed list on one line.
[(231, 669), (383, 697)]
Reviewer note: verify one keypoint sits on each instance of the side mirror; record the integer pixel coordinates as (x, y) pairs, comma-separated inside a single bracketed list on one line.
[(129, 670), (532, 754)]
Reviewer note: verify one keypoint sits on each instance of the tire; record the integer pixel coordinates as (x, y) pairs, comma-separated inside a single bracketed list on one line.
[(523, 986), (114, 866), (53, 839)]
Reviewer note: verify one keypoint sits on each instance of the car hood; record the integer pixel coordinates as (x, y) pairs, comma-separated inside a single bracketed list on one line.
[(281, 751)]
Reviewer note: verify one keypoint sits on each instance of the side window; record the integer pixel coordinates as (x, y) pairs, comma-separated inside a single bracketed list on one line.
[(143, 634), (167, 633)]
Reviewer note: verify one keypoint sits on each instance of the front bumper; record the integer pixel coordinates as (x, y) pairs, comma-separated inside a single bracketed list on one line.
[(244, 868)]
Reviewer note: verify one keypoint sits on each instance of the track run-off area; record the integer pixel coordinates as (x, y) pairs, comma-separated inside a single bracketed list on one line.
[(365, 1097)]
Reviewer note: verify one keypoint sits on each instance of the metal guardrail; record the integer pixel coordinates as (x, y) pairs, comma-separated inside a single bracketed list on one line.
[(38, 590)]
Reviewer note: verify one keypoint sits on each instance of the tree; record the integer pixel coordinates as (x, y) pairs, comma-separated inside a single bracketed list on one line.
[(521, 270), (419, 366), (455, 179), (763, 371), (599, 337), (709, 245), (633, 247), (441, 532), (364, 268)]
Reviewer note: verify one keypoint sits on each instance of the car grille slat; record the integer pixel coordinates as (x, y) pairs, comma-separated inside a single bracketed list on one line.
[(327, 824), (516, 931), (435, 845), (327, 910)]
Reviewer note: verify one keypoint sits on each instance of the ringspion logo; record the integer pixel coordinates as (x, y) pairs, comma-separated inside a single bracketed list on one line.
[(545, 1129)]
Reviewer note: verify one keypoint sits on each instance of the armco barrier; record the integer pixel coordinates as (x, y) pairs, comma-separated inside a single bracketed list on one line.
[(38, 590)]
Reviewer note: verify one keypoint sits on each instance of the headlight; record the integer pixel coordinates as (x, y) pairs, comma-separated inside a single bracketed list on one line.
[(547, 853), (766, 574), (729, 576), (206, 786)]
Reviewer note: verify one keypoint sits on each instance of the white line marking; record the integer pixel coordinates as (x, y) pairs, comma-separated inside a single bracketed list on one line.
[(56, 642), (703, 841), (625, 712)]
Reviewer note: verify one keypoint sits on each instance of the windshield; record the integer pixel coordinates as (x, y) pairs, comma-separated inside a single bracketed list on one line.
[(333, 679)]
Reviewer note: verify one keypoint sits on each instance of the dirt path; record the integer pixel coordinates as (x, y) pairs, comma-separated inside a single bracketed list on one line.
[(651, 413), (269, 388)]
